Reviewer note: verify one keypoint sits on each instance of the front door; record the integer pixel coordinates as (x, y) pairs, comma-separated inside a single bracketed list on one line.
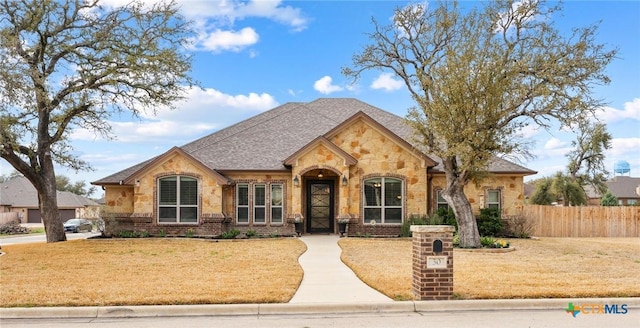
[(320, 206)]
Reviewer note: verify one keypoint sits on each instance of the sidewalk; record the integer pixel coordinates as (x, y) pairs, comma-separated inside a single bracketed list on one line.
[(328, 280)]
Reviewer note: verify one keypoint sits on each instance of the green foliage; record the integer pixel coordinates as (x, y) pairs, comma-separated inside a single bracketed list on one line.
[(251, 233), (162, 233), (478, 76), (609, 199), (127, 234), (456, 240), (448, 217), (569, 189), (543, 194), (189, 233), (144, 234), (412, 220), (586, 160), (489, 222), (491, 242), (231, 234), (64, 184), (69, 63)]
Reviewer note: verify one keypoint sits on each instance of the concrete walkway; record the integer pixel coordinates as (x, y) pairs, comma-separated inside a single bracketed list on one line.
[(328, 280)]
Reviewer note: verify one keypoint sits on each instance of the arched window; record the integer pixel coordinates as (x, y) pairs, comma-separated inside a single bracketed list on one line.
[(178, 199), (383, 200)]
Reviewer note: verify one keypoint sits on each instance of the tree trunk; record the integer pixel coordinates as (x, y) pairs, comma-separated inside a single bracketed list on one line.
[(467, 226), (48, 199), (455, 197)]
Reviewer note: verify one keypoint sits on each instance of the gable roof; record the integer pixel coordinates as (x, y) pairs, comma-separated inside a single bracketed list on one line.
[(263, 142), (348, 159), (174, 151), (19, 192)]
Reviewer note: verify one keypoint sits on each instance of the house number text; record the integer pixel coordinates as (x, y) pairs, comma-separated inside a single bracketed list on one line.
[(436, 262)]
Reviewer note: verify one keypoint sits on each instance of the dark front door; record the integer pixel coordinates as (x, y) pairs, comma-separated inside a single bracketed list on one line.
[(320, 206)]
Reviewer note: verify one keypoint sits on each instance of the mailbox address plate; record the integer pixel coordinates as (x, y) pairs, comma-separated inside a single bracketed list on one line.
[(436, 262)]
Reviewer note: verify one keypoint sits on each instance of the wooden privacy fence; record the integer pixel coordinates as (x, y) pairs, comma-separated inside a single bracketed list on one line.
[(583, 221)]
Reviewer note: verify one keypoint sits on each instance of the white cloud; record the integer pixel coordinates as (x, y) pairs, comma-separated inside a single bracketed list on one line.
[(214, 20), (219, 40), (324, 85), (631, 111), (387, 82), (624, 147), (203, 111), (529, 131)]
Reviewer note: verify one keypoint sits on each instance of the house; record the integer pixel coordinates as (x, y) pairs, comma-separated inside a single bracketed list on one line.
[(19, 196), (625, 188), (320, 161)]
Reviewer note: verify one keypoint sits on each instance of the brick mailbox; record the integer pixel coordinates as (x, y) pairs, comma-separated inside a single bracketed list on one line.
[(432, 262)]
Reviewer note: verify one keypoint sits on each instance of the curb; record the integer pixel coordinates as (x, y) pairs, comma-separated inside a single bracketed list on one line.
[(303, 308)]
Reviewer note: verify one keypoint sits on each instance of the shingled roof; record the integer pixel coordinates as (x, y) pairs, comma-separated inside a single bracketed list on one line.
[(19, 192), (264, 141)]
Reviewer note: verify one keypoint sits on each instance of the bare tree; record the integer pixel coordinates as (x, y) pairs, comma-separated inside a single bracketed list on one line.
[(479, 76), (72, 63)]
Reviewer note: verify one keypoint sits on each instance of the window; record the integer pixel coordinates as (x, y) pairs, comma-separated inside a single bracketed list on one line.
[(259, 203), (440, 202), (631, 201), (242, 207), (177, 200), (266, 202), (276, 203), (383, 200), (493, 199)]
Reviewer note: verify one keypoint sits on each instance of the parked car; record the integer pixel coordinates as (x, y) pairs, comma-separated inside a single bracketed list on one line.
[(77, 225)]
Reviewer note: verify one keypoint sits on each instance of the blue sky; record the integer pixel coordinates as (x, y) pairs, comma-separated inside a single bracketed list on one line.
[(252, 56)]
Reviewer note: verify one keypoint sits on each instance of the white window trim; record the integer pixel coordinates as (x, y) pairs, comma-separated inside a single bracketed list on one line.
[(264, 202), (177, 206), (438, 203), (238, 206), (382, 198), (499, 202), (271, 206)]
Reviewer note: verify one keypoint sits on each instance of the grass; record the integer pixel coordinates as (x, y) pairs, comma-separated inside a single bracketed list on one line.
[(545, 268), (101, 272)]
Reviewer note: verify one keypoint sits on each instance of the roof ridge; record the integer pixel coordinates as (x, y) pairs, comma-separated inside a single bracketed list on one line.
[(292, 105)]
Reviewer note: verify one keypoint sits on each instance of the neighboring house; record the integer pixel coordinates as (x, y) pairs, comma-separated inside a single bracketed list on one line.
[(325, 160), (18, 195), (625, 188)]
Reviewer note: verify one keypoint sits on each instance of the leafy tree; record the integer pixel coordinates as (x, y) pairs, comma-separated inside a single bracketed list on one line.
[(586, 161), (479, 76), (569, 190), (72, 63), (543, 194), (64, 184), (608, 199)]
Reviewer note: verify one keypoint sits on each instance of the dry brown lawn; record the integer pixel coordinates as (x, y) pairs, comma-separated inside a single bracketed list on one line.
[(544, 268), (150, 271)]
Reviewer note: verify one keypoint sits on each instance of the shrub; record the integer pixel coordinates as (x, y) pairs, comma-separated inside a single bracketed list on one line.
[(127, 234), (162, 233), (233, 233), (144, 234), (490, 242), (412, 220), (189, 233), (448, 217), (519, 226), (489, 222), (250, 233)]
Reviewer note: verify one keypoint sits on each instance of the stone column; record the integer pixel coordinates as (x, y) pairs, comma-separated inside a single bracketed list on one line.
[(432, 262)]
